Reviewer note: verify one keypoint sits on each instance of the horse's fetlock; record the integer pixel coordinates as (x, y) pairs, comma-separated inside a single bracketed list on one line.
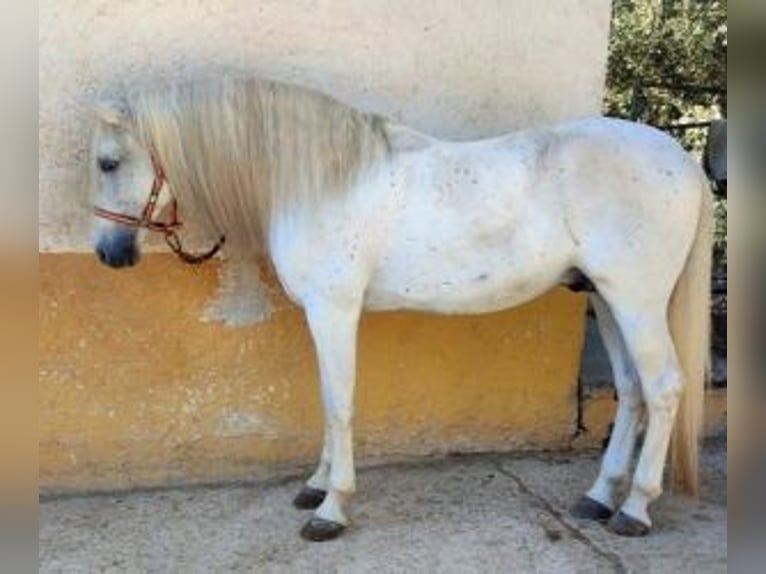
[(647, 491), (344, 489)]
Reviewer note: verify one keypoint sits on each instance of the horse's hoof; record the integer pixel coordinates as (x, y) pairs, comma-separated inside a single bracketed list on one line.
[(588, 509), (625, 525), (318, 529), (309, 498)]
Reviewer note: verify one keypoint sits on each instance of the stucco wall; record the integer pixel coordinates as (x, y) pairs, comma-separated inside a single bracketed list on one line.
[(455, 68), (136, 391)]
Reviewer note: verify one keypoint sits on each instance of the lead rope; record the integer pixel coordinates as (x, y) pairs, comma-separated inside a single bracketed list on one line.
[(174, 242), (171, 236)]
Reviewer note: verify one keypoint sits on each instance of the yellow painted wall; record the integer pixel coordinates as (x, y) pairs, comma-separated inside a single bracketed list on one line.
[(136, 391)]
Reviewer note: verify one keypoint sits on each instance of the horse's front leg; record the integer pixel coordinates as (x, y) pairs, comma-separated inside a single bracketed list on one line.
[(333, 328), (314, 492)]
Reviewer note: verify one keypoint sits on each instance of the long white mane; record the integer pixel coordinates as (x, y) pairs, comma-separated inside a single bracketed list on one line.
[(237, 151)]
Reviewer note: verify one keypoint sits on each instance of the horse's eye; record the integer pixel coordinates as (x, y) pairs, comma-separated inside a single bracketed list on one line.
[(108, 165)]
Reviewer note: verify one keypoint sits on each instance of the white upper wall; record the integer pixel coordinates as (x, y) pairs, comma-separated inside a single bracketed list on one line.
[(464, 69)]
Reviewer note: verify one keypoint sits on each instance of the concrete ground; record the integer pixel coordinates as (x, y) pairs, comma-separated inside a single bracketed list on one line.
[(477, 513)]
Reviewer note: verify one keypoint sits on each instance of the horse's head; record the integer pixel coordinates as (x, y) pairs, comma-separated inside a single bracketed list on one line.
[(128, 183)]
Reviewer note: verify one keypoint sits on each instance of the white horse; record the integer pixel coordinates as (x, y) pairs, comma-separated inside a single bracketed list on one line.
[(355, 212)]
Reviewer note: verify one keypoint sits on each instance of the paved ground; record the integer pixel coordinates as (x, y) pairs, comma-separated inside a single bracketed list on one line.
[(484, 513)]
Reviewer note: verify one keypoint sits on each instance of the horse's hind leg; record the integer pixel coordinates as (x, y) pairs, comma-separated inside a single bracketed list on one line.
[(334, 329), (599, 502), (649, 342)]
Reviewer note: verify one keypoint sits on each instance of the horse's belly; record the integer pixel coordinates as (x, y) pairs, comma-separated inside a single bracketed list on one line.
[(463, 277), (483, 294), (468, 248)]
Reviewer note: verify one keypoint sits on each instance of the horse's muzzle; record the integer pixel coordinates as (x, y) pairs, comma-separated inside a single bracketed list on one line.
[(118, 249)]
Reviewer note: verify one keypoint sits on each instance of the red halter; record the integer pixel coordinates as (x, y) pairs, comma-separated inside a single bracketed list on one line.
[(167, 228)]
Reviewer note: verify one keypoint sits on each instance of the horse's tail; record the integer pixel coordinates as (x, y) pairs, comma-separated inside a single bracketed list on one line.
[(689, 316)]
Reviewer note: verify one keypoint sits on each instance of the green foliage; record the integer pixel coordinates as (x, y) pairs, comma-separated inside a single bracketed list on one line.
[(672, 43)]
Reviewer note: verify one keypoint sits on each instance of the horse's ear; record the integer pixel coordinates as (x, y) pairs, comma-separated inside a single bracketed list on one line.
[(113, 112)]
